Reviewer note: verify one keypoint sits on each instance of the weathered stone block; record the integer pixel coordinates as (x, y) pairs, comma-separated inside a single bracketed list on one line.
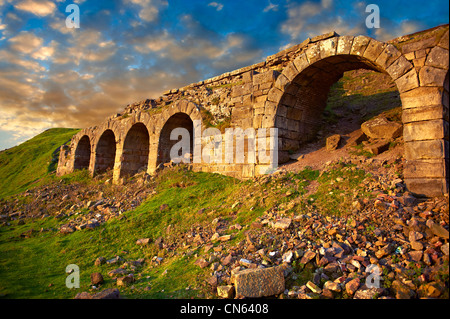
[(360, 44), (431, 76), (374, 49), (328, 47), (408, 81), (388, 56), (294, 113), (257, 283), (274, 95), (425, 168), (421, 96), (381, 128), (332, 142), (444, 42), (438, 57), (301, 62), (282, 82), (313, 53), (269, 76), (430, 149), (399, 67), (344, 45), (290, 71), (424, 113), (324, 36), (426, 130), (428, 187), (418, 45)]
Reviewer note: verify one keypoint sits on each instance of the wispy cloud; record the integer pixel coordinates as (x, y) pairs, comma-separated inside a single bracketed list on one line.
[(218, 6), (271, 7), (37, 7)]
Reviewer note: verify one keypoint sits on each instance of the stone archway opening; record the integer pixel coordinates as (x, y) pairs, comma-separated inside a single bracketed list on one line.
[(105, 153), (309, 103), (165, 144), (135, 150), (83, 153)]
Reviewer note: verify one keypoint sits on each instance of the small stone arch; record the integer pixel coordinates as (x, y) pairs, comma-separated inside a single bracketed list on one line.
[(135, 151), (182, 114), (105, 152), (82, 153)]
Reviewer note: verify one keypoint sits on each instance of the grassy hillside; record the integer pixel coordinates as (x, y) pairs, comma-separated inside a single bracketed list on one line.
[(184, 204), (31, 163)]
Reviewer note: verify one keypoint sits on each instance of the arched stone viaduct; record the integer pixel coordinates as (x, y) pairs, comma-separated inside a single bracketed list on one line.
[(289, 92)]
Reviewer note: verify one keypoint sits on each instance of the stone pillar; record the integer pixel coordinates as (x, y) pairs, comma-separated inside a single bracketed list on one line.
[(425, 134)]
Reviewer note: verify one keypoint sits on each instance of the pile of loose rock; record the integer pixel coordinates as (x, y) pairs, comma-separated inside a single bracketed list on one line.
[(396, 247), (76, 205)]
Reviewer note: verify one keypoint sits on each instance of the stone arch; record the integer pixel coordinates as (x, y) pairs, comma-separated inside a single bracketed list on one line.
[(182, 114), (105, 152), (135, 152), (300, 93), (83, 153), (165, 144)]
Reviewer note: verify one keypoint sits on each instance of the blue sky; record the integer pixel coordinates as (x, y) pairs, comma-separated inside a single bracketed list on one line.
[(129, 50)]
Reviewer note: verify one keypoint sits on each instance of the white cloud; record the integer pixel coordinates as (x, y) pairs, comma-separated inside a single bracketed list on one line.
[(389, 30), (310, 19), (37, 7), (149, 9), (218, 6), (26, 42)]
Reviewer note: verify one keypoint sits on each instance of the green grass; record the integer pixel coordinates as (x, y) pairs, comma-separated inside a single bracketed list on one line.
[(350, 95), (338, 188), (35, 267), (31, 163), (29, 265)]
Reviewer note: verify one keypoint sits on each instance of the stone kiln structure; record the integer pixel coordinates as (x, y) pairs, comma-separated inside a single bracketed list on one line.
[(287, 91)]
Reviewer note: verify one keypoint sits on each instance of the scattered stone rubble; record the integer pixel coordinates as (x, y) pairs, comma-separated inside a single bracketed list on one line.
[(303, 255)]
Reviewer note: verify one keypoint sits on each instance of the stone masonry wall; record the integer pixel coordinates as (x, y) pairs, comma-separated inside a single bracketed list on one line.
[(288, 91)]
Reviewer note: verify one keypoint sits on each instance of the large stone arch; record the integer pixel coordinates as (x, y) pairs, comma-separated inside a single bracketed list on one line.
[(82, 153), (105, 152), (299, 95), (135, 150)]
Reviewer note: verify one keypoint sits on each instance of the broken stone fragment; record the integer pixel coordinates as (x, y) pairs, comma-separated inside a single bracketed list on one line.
[(110, 293), (96, 278), (261, 282), (283, 223), (437, 229), (332, 142), (125, 281), (143, 241), (226, 292), (381, 128)]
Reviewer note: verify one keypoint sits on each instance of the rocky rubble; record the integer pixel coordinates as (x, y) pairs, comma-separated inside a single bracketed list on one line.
[(76, 205), (391, 245), (407, 243)]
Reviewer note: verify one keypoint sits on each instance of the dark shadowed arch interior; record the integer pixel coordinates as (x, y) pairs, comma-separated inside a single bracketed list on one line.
[(105, 152), (135, 150), (178, 120), (83, 153), (299, 113)]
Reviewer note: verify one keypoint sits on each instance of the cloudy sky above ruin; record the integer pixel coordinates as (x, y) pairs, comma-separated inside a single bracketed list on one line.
[(129, 50)]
